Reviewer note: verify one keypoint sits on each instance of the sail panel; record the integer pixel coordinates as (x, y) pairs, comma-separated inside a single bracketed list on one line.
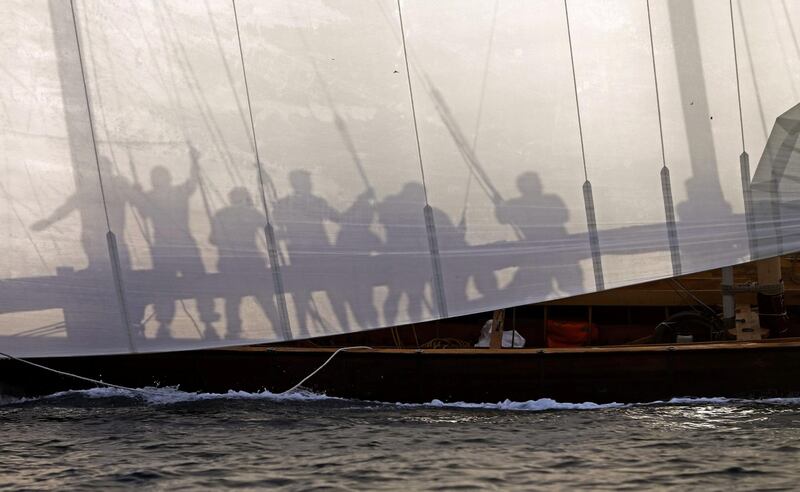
[(355, 231)]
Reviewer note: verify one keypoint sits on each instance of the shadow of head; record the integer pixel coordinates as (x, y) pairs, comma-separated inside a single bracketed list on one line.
[(528, 183), (160, 178), (240, 197), (300, 181)]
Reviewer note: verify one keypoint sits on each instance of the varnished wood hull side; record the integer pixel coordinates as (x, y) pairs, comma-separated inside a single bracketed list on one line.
[(625, 374)]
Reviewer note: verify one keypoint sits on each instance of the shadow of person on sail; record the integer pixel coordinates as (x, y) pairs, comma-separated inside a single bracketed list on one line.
[(358, 242), (401, 216), (300, 217), (78, 319), (95, 246), (174, 251), (235, 231), (544, 260)]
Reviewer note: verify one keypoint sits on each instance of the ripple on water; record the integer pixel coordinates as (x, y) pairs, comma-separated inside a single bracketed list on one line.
[(165, 438)]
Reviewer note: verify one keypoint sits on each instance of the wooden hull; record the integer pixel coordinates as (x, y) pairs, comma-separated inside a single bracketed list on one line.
[(603, 374)]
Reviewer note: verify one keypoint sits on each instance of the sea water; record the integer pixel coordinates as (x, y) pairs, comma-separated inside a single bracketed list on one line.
[(168, 439)]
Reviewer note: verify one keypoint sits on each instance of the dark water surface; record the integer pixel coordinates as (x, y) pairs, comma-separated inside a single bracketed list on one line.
[(172, 440)]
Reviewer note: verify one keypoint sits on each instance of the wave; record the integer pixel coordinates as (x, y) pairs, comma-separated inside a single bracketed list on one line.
[(530, 405), (169, 395), (173, 395)]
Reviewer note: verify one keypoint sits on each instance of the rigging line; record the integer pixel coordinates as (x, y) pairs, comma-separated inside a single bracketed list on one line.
[(486, 62), (24, 227), (341, 126), (171, 88), (205, 109), (575, 87), (791, 27), (691, 294), (69, 374), (104, 119), (146, 38), (784, 51), (363, 347), (655, 80), (228, 73), (411, 96), (473, 165), (751, 65), (480, 102), (736, 66), (250, 112), (89, 113), (273, 250)]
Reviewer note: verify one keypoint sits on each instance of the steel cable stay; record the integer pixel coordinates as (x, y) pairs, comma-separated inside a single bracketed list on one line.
[(111, 240), (744, 157), (473, 165), (228, 76), (269, 231), (666, 184), (140, 221), (588, 197), (430, 225)]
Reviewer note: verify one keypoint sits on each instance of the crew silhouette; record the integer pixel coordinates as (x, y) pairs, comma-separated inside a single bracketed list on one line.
[(236, 231), (301, 218), (357, 239), (315, 262), (173, 248), (406, 241), (541, 221)]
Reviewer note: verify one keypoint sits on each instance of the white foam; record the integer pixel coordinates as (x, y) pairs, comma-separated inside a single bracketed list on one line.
[(699, 401), (550, 404), (170, 395), (530, 405)]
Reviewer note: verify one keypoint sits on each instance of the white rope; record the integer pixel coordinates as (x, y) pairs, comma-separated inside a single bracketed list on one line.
[(69, 374), (322, 366)]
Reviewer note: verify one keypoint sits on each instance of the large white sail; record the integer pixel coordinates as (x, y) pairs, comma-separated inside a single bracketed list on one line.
[(203, 174)]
